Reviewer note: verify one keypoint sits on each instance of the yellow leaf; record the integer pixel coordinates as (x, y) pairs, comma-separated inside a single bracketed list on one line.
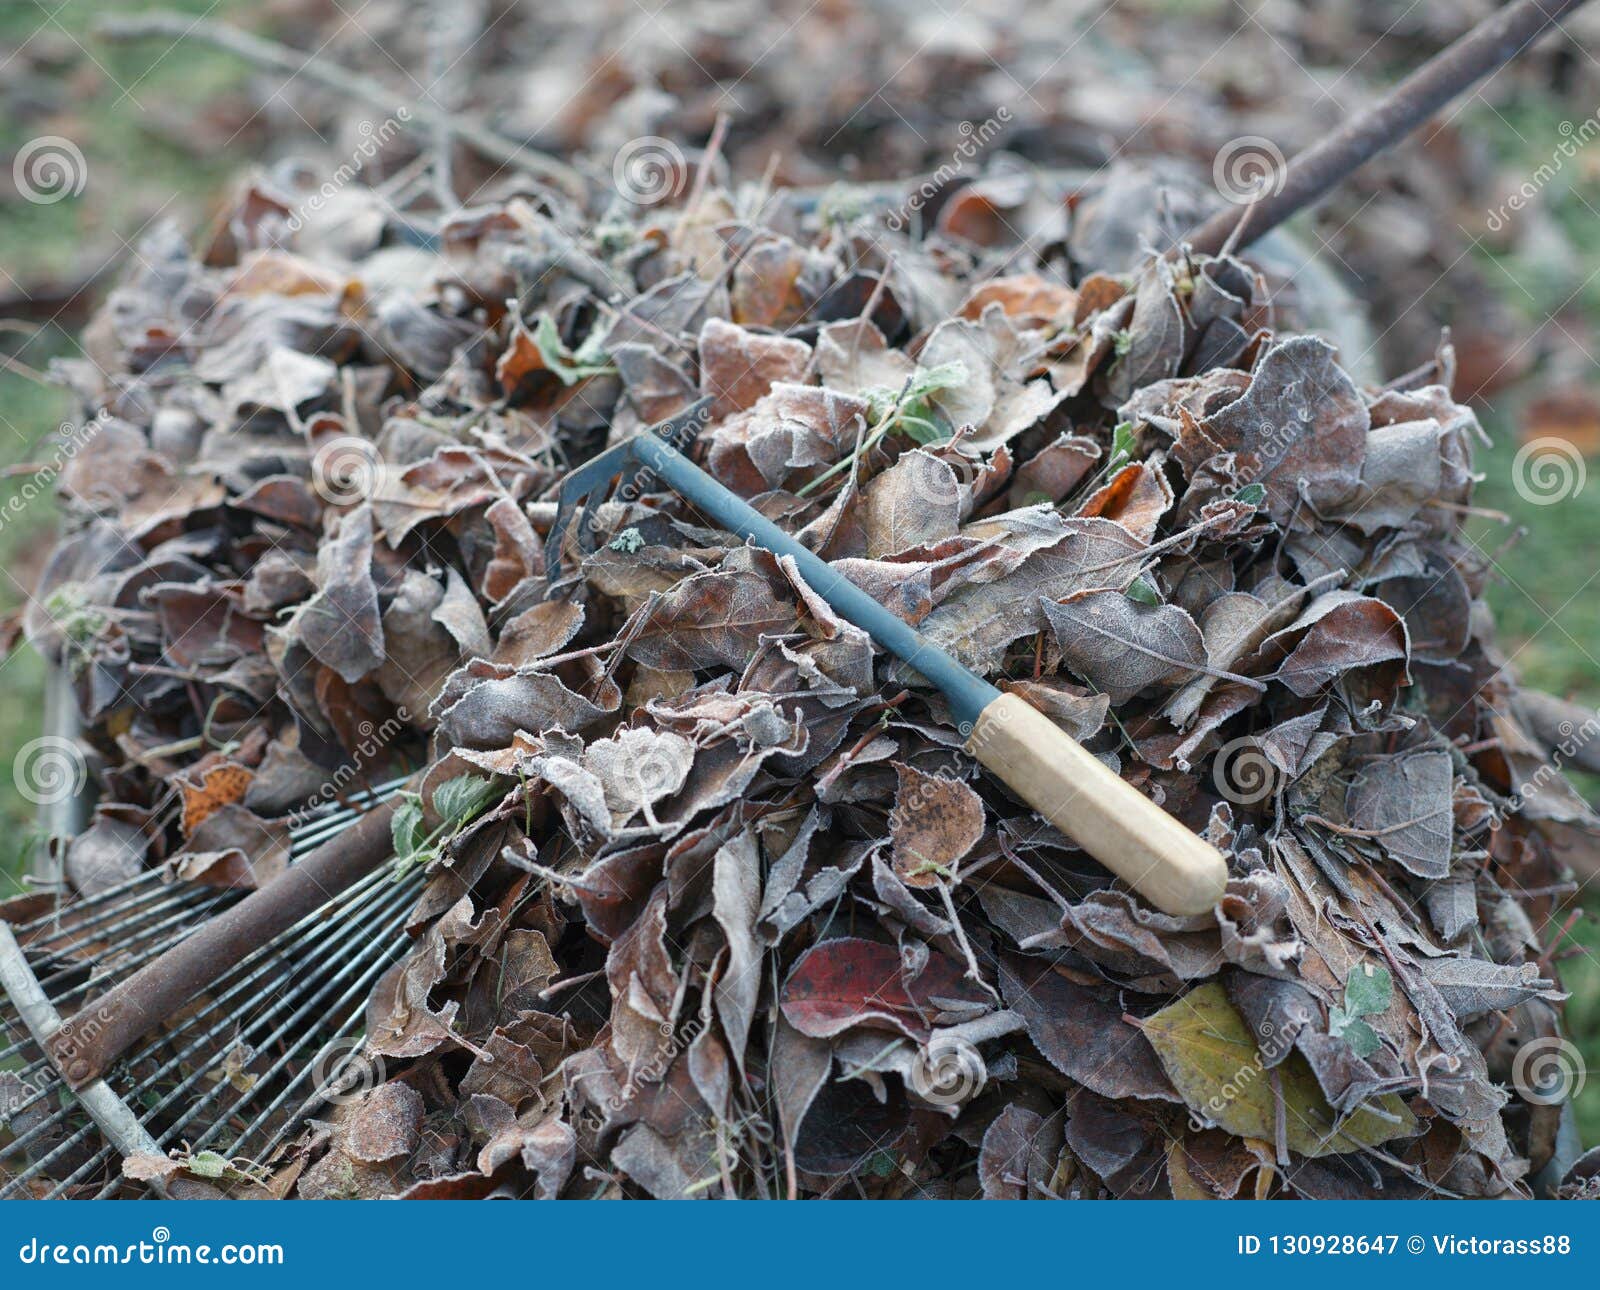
[(1210, 1056)]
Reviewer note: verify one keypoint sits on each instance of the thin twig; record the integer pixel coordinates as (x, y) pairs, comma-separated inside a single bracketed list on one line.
[(454, 25), (341, 80)]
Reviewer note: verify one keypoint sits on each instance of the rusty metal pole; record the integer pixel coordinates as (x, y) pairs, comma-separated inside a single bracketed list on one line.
[(1311, 174), (88, 1042)]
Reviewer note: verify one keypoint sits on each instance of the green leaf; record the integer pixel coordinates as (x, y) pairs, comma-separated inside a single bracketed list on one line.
[(1251, 494), (405, 827), (1210, 1056), (1368, 990), (461, 799), (207, 1164), (910, 409), (1123, 442), (572, 366), (628, 541), (880, 1165), (212, 1164), (1362, 1038), (920, 431), (926, 382), (1143, 592)]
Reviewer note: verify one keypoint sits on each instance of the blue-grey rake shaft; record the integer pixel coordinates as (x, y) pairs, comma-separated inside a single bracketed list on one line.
[(968, 694)]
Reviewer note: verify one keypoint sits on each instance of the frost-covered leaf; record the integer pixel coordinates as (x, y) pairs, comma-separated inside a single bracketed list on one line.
[(1212, 1060)]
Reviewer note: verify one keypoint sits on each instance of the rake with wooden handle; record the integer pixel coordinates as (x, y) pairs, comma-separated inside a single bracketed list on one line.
[(1174, 869)]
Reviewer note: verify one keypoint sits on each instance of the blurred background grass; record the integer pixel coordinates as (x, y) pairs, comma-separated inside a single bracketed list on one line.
[(146, 165)]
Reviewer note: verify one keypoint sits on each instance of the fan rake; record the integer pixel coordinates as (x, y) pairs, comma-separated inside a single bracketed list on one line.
[(235, 1072)]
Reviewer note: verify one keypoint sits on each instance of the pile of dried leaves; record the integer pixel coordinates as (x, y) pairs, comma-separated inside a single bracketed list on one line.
[(719, 907)]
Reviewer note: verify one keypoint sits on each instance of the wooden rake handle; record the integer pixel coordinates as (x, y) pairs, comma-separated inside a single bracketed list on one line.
[(1175, 870)]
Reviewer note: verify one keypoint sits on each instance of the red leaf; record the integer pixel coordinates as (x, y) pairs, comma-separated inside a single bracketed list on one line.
[(852, 982)]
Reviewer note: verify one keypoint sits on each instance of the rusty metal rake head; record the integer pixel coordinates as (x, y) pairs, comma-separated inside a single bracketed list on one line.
[(235, 1072)]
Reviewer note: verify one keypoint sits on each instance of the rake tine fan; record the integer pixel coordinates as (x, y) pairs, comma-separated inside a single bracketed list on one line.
[(236, 1072)]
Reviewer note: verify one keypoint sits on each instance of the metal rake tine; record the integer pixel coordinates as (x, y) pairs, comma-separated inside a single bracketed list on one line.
[(587, 538), (587, 485), (580, 488), (84, 1047), (121, 1128), (128, 928)]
